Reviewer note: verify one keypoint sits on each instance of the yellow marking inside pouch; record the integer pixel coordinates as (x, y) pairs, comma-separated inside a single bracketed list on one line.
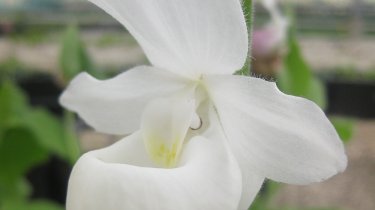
[(164, 155)]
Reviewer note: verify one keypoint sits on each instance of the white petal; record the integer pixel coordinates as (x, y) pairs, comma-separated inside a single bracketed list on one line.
[(251, 180), (114, 106), (109, 179), (165, 123), (251, 185), (285, 138), (186, 37)]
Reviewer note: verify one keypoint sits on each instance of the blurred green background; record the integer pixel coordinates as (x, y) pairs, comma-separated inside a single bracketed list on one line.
[(328, 57)]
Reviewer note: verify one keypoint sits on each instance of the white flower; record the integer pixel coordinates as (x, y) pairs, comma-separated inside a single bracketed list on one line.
[(249, 129)]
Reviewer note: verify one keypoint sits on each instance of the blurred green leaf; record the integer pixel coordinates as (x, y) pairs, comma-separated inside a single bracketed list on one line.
[(318, 93), (70, 136), (27, 137), (52, 135), (297, 78), (344, 127), (14, 191), (12, 104), (48, 131), (74, 57), (247, 6), (35, 205), (19, 151)]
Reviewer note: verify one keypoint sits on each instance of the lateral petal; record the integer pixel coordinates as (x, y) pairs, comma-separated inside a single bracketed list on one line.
[(285, 138), (115, 106), (186, 37), (252, 181)]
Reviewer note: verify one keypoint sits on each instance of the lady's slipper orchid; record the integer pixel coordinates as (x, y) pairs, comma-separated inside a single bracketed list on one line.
[(202, 138)]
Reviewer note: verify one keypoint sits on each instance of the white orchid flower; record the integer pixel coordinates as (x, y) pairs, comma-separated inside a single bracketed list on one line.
[(202, 137)]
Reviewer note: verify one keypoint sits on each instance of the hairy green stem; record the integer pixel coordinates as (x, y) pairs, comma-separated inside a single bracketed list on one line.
[(248, 8), (71, 137)]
